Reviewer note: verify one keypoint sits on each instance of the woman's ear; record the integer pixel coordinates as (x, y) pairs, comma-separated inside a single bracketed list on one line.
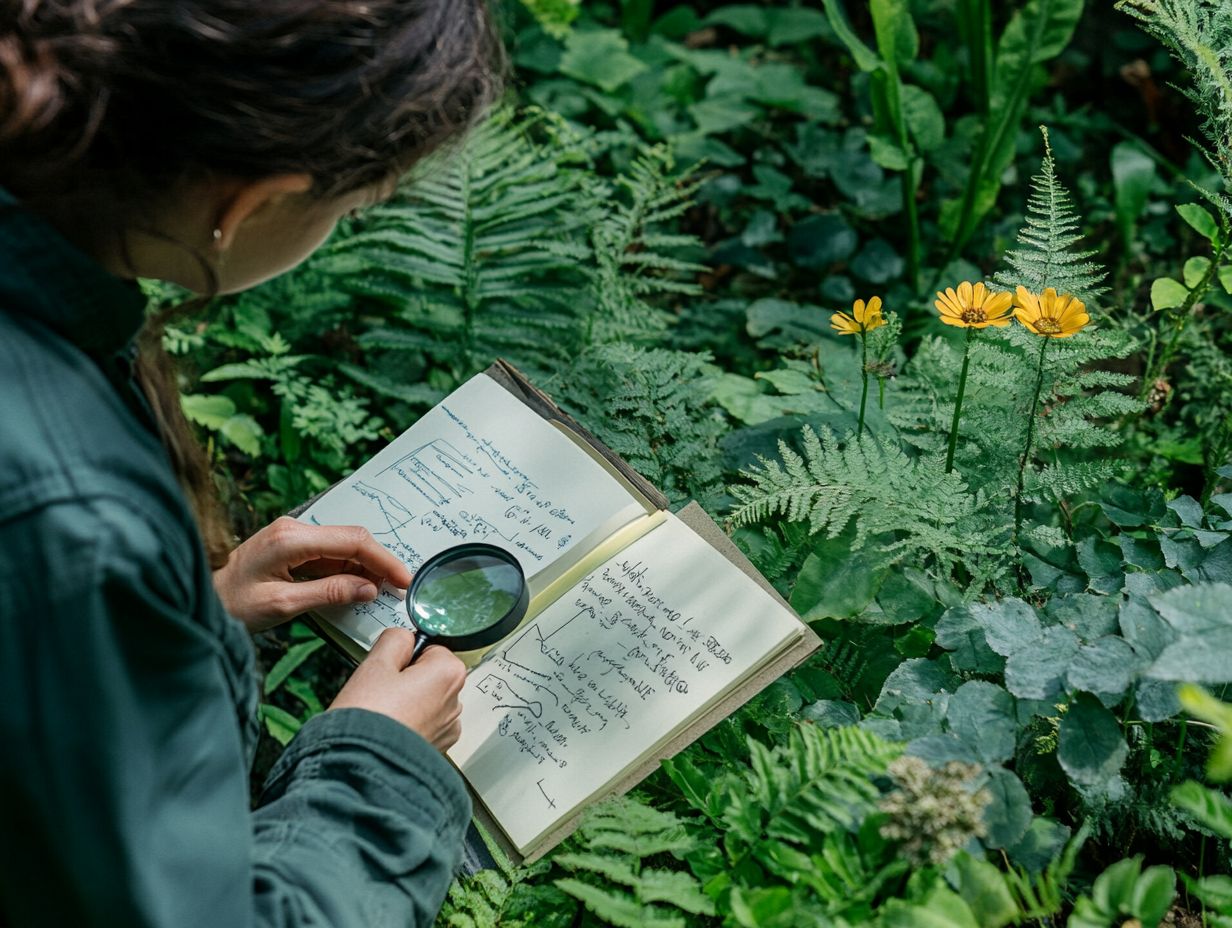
[(247, 198)]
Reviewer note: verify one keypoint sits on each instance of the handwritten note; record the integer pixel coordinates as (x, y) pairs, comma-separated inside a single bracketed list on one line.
[(609, 671), (480, 466)]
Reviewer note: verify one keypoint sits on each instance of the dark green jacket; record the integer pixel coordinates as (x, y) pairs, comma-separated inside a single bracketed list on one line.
[(127, 694)]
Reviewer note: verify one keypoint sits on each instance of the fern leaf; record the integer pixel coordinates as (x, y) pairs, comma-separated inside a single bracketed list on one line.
[(1047, 256)]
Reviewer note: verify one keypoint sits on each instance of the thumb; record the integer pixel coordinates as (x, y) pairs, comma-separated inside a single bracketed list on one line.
[(336, 590)]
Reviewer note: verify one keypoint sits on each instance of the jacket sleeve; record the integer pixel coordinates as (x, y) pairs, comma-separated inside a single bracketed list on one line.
[(126, 798)]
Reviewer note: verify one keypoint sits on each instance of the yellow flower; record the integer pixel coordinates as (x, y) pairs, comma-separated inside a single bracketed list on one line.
[(862, 319), (974, 307), (1048, 314)]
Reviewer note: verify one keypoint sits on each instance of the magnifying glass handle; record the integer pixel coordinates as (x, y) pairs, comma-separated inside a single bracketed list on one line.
[(421, 642)]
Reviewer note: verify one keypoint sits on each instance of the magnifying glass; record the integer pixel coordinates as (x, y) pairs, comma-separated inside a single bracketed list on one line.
[(467, 597)]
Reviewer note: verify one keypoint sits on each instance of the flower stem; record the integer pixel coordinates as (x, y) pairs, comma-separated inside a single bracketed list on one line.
[(864, 375), (1026, 451), (962, 388)]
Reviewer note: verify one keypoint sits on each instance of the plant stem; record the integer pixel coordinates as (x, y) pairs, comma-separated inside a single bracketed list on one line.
[(975, 23), (864, 375), (881, 393), (913, 226), (1158, 365), (1026, 451), (962, 388)]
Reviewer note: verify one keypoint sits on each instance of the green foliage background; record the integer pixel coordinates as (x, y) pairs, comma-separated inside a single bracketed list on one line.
[(657, 227)]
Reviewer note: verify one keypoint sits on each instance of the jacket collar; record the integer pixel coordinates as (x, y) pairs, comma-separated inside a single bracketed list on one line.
[(45, 277)]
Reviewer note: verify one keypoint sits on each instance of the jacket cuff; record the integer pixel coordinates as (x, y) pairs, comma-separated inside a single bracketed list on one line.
[(401, 752)]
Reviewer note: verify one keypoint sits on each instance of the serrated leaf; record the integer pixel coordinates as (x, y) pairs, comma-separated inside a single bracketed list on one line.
[(1037, 669), (1009, 625), (1104, 667), (982, 715)]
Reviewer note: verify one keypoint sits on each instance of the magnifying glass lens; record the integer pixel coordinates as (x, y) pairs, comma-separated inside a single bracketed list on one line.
[(466, 595)]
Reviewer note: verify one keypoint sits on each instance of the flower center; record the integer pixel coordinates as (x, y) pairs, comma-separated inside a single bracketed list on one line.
[(974, 314), (1046, 326)]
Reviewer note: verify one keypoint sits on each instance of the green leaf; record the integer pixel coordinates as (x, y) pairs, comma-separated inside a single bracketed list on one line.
[(245, 433), (281, 724), (1200, 219), (795, 24), (1133, 172), (1195, 269), (287, 664), (1210, 807), (982, 886), (982, 715), (1037, 670), (1090, 746), (897, 38), (1009, 624), (209, 410), (865, 58), (1104, 667), (600, 58), (1201, 614), (942, 908), (923, 117), (1167, 293), (1008, 816), (836, 582)]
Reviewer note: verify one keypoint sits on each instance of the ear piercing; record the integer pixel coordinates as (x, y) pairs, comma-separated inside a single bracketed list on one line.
[(217, 235)]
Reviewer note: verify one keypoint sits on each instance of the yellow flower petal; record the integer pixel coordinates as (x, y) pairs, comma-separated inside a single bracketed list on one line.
[(964, 294)]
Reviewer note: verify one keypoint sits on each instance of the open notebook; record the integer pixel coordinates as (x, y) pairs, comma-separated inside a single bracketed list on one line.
[(644, 628)]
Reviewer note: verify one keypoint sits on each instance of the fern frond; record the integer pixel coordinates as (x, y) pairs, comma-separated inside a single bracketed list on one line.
[(1047, 256)]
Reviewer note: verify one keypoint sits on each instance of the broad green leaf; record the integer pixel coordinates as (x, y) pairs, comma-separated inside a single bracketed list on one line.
[(982, 715), (822, 240), (983, 887), (923, 117), (600, 58), (1039, 845), (1090, 746), (1009, 624), (942, 908), (1104, 667), (1008, 816), (244, 432), (897, 39), (1133, 172), (1037, 670), (959, 632), (795, 24), (1196, 609), (1202, 705), (746, 19), (1167, 293), (1210, 807), (836, 582), (1200, 219), (209, 410), (1195, 269)]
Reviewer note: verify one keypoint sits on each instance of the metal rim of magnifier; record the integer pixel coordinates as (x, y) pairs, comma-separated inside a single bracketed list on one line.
[(486, 636)]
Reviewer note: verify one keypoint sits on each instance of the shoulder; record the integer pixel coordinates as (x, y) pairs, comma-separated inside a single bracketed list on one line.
[(66, 433)]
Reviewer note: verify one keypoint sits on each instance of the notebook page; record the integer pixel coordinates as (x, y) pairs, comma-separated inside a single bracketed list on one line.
[(609, 671), (480, 466)]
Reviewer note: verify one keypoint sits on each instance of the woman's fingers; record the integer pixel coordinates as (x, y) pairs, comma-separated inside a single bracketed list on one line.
[(394, 648), (292, 599), (296, 543)]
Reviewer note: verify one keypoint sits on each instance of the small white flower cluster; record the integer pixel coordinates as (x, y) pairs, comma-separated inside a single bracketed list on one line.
[(934, 812)]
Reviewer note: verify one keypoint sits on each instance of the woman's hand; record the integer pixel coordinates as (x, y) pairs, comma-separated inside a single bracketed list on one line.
[(290, 567), (422, 696)]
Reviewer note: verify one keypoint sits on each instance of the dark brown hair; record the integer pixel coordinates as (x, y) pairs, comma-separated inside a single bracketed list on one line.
[(123, 99)]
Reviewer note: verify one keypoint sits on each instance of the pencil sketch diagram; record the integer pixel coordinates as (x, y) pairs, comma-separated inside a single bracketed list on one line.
[(507, 697), (392, 517), (532, 646), (436, 471)]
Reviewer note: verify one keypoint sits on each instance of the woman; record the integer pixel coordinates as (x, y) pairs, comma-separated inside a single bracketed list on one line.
[(213, 143)]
